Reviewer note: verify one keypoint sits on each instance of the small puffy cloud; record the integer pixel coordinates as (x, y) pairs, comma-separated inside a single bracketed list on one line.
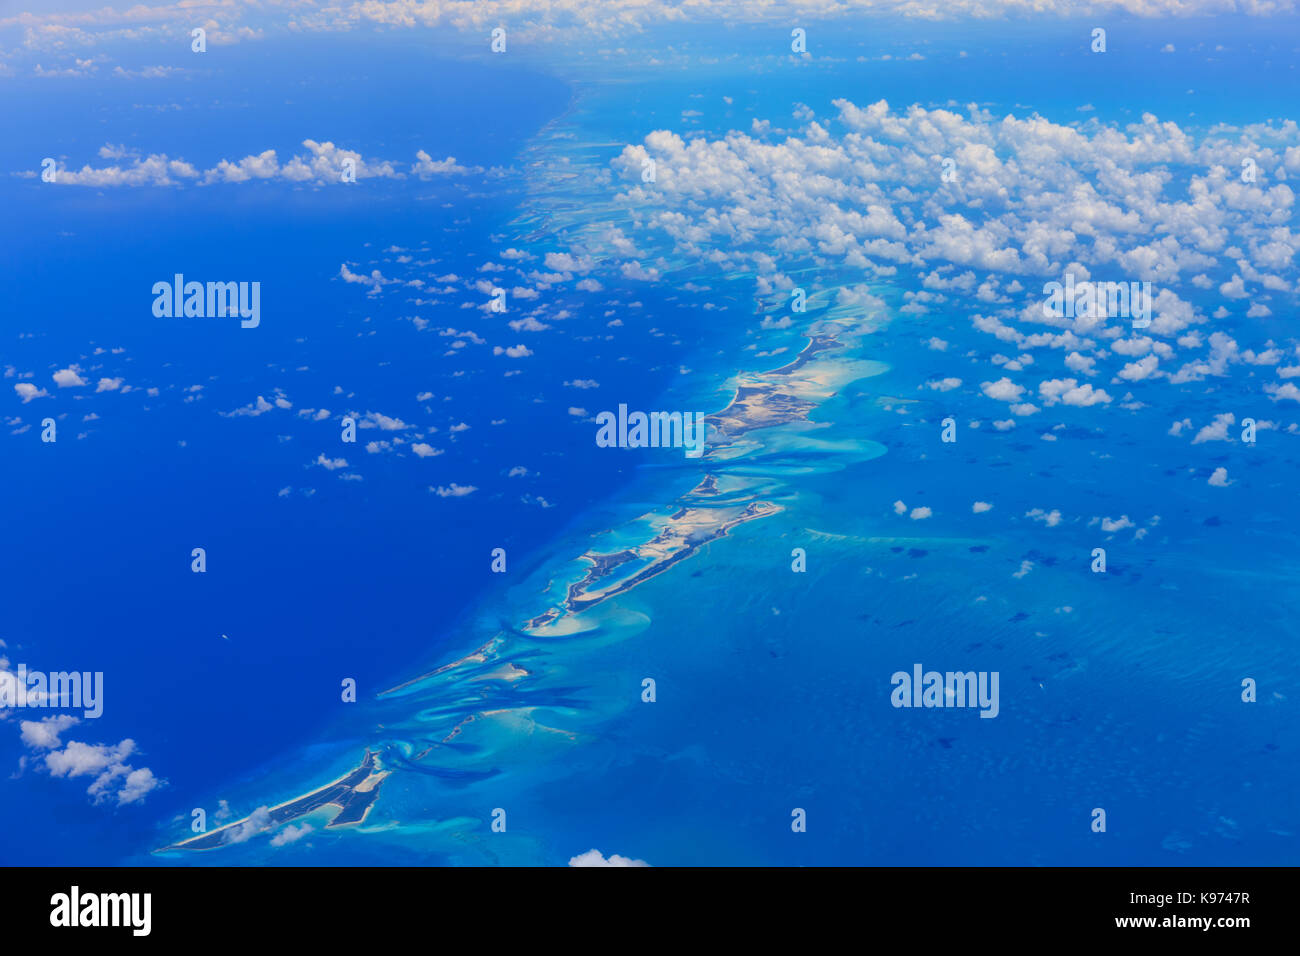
[(919, 514), (113, 777), (565, 262), (980, 507), (137, 784), (1216, 430), (1080, 363), (1139, 370), (427, 166), (513, 351), (1234, 288), (27, 391), (69, 377), (291, 833), (374, 282), (264, 165), (453, 490), (1070, 392), (43, 734), (382, 422), (1050, 518), (1003, 390), (1220, 478), (596, 858), (79, 759), (1278, 393), (245, 830), (634, 270), (526, 324), (256, 408)]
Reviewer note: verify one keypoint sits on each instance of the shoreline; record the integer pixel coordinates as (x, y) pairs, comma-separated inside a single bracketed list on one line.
[(761, 400)]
